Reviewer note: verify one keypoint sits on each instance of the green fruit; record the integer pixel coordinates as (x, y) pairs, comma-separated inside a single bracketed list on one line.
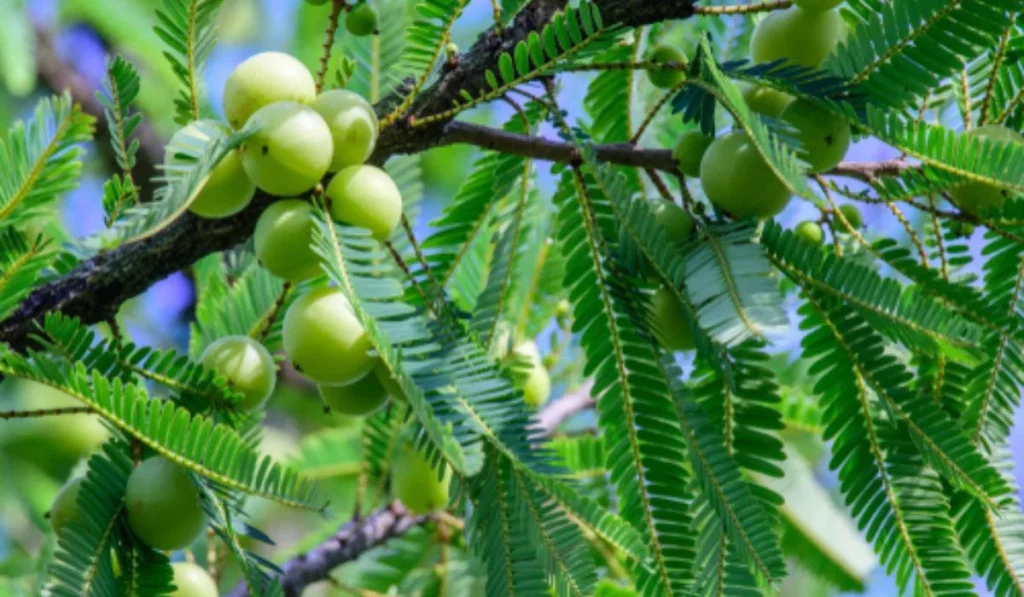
[(362, 20), (192, 581), (65, 506), (264, 79), (283, 240), (852, 215), (360, 398), (533, 379), (163, 505), (414, 482), (290, 152), (226, 190), (825, 136), (738, 180), (811, 232), (390, 384), (689, 151), (665, 79), (765, 100), (353, 126), (674, 220), (817, 5), (979, 197), (669, 323), (798, 36), (246, 364), (365, 196), (324, 340)]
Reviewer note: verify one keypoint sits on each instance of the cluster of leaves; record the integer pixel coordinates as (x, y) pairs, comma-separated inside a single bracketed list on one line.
[(693, 484)]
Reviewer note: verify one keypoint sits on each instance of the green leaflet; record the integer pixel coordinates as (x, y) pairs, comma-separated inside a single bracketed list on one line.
[(213, 451), (187, 28), (907, 47), (42, 157)]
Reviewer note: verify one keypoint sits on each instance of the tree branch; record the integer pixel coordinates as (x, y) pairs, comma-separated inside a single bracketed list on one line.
[(95, 289), (352, 540), (560, 410)]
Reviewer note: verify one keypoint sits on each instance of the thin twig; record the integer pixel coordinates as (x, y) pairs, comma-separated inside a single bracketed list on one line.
[(735, 9), (325, 53), (45, 412)]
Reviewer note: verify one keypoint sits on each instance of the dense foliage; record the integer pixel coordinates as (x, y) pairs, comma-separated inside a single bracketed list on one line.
[(576, 379)]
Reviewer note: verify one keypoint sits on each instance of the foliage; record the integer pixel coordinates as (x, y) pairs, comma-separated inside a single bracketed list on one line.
[(894, 358)]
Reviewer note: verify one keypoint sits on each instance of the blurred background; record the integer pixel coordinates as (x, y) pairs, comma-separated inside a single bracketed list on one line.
[(48, 44)]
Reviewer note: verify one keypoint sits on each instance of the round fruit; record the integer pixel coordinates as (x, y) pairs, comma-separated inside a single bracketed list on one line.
[(290, 152), (825, 136), (852, 215), (264, 79), (664, 79), (738, 180), (979, 197), (163, 505), (811, 232), (390, 384), (246, 364), (674, 220), (797, 36), (669, 323), (65, 506), (324, 340), (765, 100), (415, 483), (283, 238), (689, 151), (226, 190), (365, 196), (358, 399), (362, 20), (353, 126), (535, 382), (192, 581)]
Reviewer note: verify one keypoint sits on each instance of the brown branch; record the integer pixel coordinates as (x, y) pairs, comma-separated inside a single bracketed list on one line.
[(560, 410), (351, 540), (59, 76)]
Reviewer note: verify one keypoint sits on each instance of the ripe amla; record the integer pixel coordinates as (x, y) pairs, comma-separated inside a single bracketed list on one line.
[(226, 190), (669, 323), (415, 483), (824, 136), (530, 375), (738, 180), (979, 197), (65, 505), (324, 340), (290, 151), (690, 150), (362, 20), (798, 36), (365, 196), (665, 79), (283, 240), (360, 398), (353, 125), (246, 364), (264, 79), (765, 100), (811, 232), (163, 505), (192, 581)]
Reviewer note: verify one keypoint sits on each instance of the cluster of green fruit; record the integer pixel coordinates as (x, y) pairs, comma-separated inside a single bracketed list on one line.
[(734, 175), (299, 138), (164, 510)]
